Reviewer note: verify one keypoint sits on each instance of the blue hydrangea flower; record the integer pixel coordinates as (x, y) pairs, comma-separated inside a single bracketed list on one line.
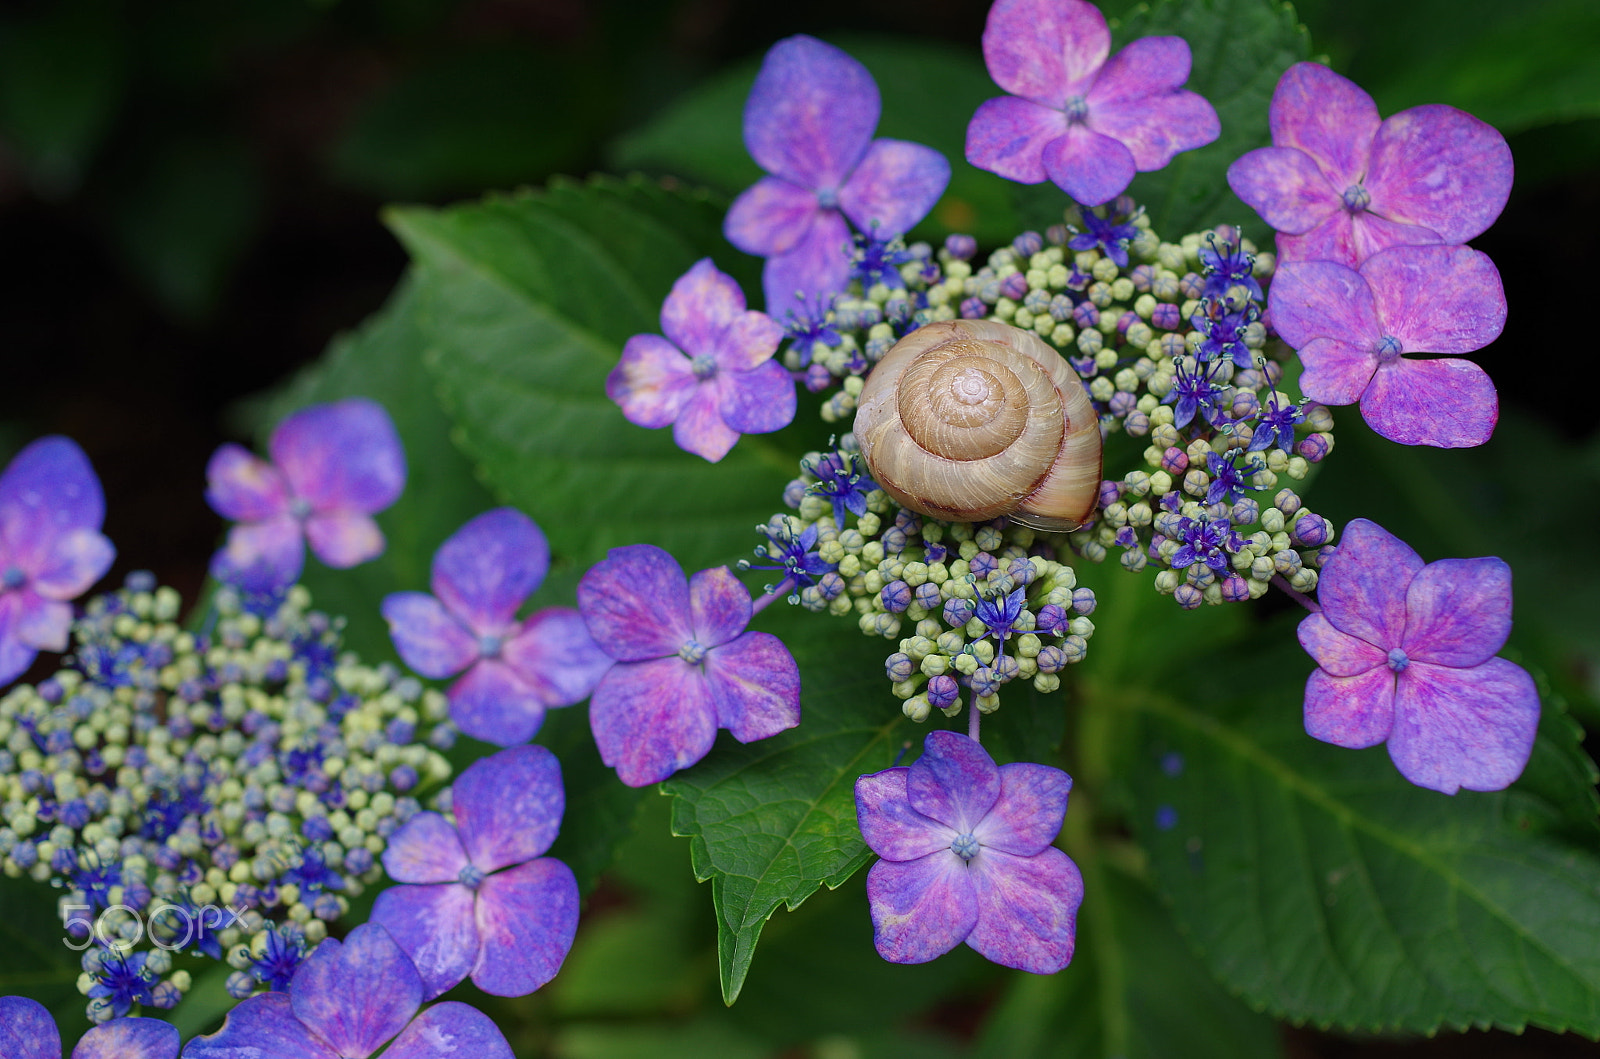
[(686, 665), (51, 548), (514, 669), (1276, 424), (844, 483), (1193, 392), (1223, 328), (1110, 238), (796, 556), (966, 855), (482, 899), (810, 322), (1227, 478), (1206, 540), (1228, 266), (878, 261), (27, 1031)]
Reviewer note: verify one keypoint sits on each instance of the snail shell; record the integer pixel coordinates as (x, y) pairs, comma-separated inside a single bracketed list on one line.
[(968, 420)]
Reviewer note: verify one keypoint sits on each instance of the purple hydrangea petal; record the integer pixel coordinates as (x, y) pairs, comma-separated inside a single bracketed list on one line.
[(747, 343), (755, 686), (703, 303), (15, 654), (508, 806), (436, 927), (1284, 185), (488, 567), (889, 826), (1339, 654), (700, 428), (344, 456), (43, 624), (811, 113), (1440, 168), (70, 562), (1323, 299), (1352, 238), (1045, 50), (954, 781), (719, 606), (243, 487), (818, 266), (1156, 128), (921, 909), (429, 638), (1437, 299), (127, 1038), (426, 849), (1144, 69), (1363, 587), (490, 702), (26, 1030), (652, 382), (48, 489), (359, 994), (1335, 372), (758, 401), (527, 917), (1351, 712), (343, 539), (636, 603), (771, 217), (894, 187), (1027, 909), (1092, 168), (1448, 403), (1027, 816), (263, 1025), (272, 550), (554, 654), (651, 719), (1007, 136), (451, 1030), (1458, 611), (1328, 117), (1471, 728)]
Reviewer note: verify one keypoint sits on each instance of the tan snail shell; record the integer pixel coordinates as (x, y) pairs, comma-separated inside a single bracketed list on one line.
[(968, 420)]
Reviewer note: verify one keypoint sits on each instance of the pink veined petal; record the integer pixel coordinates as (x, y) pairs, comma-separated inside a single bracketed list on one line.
[(1328, 117), (1147, 67), (1471, 728), (27, 1030), (818, 265), (652, 382), (1370, 233), (1027, 909), (244, 487), (636, 603), (758, 401), (1448, 403), (436, 928), (508, 806), (755, 686), (451, 1030), (651, 719), (889, 826), (426, 849), (894, 187), (1458, 611), (261, 1026), (1440, 168), (1284, 185), (703, 303), (1045, 50), (1338, 654), (1335, 372), (954, 781), (1352, 712), (43, 624), (771, 216), (1363, 587), (490, 702), (1092, 168), (1334, 238), (527, 917), (488, 567), (921, 909), (358, 994), (70, 563), (811, 113), (1027, 816), (555, 656), (274, 549), (1321, 299), (1007, 136), (343, 539), (1154, 129), (719, 606), (430, 639), (700, 428), (1437, 299), (49, 488), (748, 342), (15, 654), (125, 1038), (341, 456)]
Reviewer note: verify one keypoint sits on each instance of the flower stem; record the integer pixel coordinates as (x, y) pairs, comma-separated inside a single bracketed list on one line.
[(974, 718), (761, 602), (1298, 596)]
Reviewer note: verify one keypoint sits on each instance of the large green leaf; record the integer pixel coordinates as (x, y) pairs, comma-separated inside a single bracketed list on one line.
[(39, 963)]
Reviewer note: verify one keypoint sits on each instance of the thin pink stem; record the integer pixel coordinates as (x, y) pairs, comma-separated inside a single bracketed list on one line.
[(1296, 595), (974, 718), (761, 602)]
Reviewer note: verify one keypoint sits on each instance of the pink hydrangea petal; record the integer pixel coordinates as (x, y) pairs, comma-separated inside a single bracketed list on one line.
[(126, 1038), (651, 719), (508, 806), (261, 1026), (15, 653), (244, 487), (1045, 50), (1007, 136), (921, 909), (43, 624), (889, 826), (1440, 168), (274, 550), (1156, 128), (488, 567), (755, 686), (1328, 117), (430, 639), (426, 849), (527, 917), (771, 216), (652, 382), (1092, 168), (818, 265), (1336, 372), (758, 401), (555, 656), (719, 606), (1147, 67), (1353, 712), (636, 603), (27, 1030), (357, 995), (1471, 728), (1338, 654), (435, 927), (700, 428), (1322, 299), (747, 343), (1370, 234), (954, 781), (1448, 403), (1027, 816), (341, 456), (1284, 185), (450, 1030), (702, 304), (1027, 909), (1363, 587), (71, 562), (894, 187), (343, 539), (48, 489), (1458, 611), (1333, 238), (490, 702), (1437, 299), (811, 113)]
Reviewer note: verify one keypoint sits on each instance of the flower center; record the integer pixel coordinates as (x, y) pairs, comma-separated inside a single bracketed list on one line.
[(471, 877), (1077, 110), (965, 846), (300, 508), (12, 578), (1387, 349), (692, 652), (489, 645), (828, 198), (1356, 198), (1398, 660), (703, 365)]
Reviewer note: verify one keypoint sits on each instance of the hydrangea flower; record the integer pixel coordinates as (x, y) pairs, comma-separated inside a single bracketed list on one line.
[(713, 376), (966, 856), (1351, 327), (346, 1001), (333, 467), (1340, 185), (483, 900), (1073, 117), (51, 548), (1406, 655), (809, 123), (1105, 235), (514, 669), (27, 1031), (686, 665)]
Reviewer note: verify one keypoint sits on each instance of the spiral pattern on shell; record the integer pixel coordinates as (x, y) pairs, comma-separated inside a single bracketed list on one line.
[(969, 420)]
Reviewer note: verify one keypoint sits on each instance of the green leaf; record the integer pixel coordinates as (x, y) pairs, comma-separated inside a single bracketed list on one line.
[(38, 962)]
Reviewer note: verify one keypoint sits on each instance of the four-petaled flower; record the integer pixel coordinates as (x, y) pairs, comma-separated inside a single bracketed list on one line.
[(685, 664), (333, 467), (28, 1032), (481, 575), (966, 856), (51, 548), (483, 900), (1192, 392), (1074, 118), (1105, 235), (1406, 654), (1340, 185), (1351, 327), (1276, 424), (1226, 267), (809, 122), (712, 377)]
